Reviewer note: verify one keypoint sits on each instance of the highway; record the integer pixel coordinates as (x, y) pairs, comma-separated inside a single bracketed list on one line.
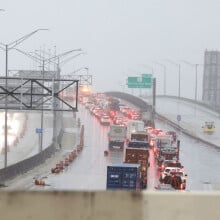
[(192, 115), (88, 171)]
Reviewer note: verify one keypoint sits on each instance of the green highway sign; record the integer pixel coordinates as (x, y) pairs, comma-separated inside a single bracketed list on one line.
[(146, 75), (144, 81)]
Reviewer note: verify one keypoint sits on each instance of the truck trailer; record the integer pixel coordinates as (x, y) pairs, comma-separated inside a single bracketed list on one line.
[(116, 136), (123, 177), (165, 149), (138, 156), (134, 126)]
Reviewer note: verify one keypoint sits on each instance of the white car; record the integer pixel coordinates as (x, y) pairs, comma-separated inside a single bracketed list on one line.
[(169, 171), (175, 177), (105, 120)]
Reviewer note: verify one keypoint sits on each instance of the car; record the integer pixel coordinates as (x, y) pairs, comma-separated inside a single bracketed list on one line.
[(176, 179), (118, 120), (149, 129), (170, 163), (169, 171), (209, 127), (165, 187), (174, 176), (105, 120), (157, 131), (173, 134), (125, 109)]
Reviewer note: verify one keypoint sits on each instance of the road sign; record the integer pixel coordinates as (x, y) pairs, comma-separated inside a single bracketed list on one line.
[(146, 75), (178, 117), (145, 81), (38, 130)]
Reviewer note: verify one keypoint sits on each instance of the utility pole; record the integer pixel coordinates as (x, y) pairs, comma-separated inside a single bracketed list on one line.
[(8, 47)]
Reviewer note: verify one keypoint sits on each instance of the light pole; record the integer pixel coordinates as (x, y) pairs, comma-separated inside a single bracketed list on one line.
[(8, 47), (77, 70), (164, 76), (149, 67), (178, 65), (196, 73), (152, 72), (38, 58)]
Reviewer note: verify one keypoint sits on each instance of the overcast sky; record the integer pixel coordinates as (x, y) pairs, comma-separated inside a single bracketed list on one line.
[(121, 37)]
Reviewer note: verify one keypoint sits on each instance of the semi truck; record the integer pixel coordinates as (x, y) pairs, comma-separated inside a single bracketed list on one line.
[(134, 126), (116, 136), (139, 156), (165, 149), (123, 177), (140, 136)]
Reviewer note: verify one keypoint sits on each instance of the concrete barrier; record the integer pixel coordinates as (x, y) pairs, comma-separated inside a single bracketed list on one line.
[(23, 166), (201, 103), (177, 127), (109, 205)]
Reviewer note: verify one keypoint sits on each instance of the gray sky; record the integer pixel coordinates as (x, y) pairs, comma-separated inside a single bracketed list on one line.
[(121, 37)]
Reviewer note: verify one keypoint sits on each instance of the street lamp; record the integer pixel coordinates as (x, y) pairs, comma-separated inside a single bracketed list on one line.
[(77, 70), (149, 67), (38, 58), (164, 75), (9, 46), (196, 68), (178, 65)]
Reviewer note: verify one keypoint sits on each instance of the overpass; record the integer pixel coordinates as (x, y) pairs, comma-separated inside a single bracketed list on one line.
[(167, 108)]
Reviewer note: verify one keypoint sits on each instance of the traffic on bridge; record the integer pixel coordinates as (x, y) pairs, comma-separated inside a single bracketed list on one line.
[(102, 117)]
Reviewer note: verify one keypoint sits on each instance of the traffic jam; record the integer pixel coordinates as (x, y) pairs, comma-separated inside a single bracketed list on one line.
[(130, 132)]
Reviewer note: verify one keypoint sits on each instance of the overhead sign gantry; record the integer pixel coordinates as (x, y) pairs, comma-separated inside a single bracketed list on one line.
[(37, 94)]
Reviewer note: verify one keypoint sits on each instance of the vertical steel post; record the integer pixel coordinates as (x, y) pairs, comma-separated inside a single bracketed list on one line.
[(6, 105), (196, 83), (42, 112), (154, 98), (165, 79), (179, 82)]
